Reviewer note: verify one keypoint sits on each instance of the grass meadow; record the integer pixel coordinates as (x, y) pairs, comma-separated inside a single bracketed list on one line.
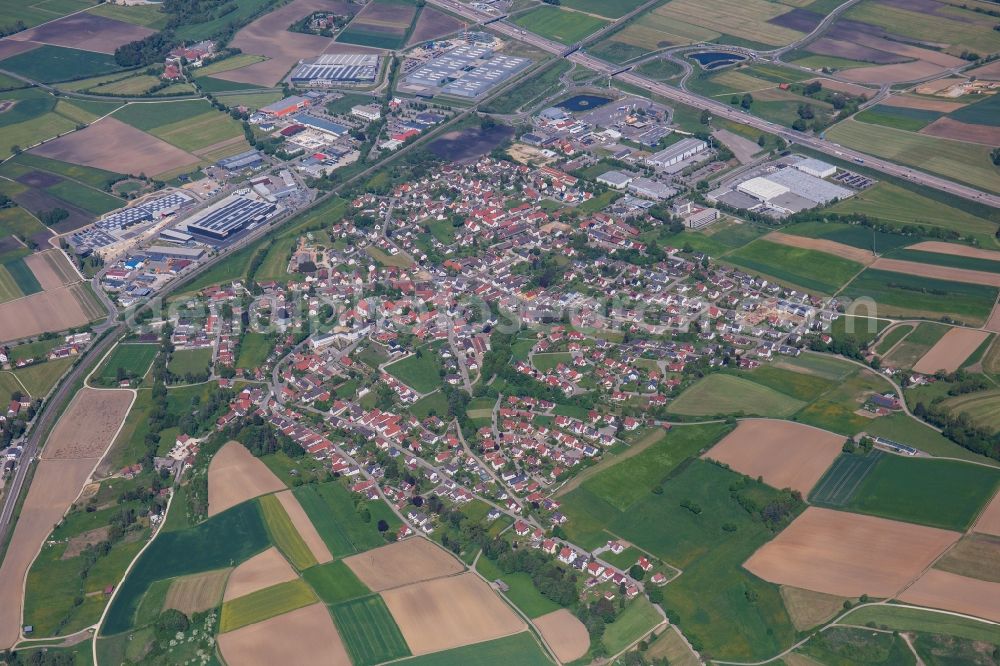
[(916, 296), (330, 507), (560, 25), (334, 582), (284, 535), (809, 269)]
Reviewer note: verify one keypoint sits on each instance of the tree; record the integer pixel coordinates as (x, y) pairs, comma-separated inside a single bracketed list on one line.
[(382, 526), (636, 572), (706, 117), (995, 156), (747, 101), (761, 140), (170, 622)]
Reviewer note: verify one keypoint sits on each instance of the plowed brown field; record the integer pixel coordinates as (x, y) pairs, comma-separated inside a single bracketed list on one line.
[(234, 476), (848, 554)]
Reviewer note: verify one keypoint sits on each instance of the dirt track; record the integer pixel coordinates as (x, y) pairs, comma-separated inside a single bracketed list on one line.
[(950, 352), (938, 272), (450, 612), (260, 571), (847, 554), (235, 476), (402, 563), (822, 245), (948, 591), (564, 633), (786, 454), (303, 636)]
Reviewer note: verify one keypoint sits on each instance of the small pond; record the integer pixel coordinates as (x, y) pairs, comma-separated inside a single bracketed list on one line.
[(716, 59), (583, 102)]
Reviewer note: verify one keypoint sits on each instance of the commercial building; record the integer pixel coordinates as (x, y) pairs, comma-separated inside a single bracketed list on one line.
[(814, 167), (231, 215), (285, 107), (678, 152), (248, 159), (331, 69), (320, 124), (615, 179), (465, 71), (651, 189), (762, 189), (370, 112), (809, 187), (157, 252)]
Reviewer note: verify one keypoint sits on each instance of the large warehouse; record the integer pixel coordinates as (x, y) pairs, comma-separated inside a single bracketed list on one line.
[(677, 152), (334, 68), (231, 215), (466, 71)]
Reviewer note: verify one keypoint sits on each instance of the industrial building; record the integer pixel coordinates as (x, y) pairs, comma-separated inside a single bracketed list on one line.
[(651, 189), (157, 252), (285, 107), (244, 160), (320, 124), (335, 68), (762, 189), (814, 167), (370, 112), (231, 215), (676, 153), (615, 179), (115, 226), (465, 71)]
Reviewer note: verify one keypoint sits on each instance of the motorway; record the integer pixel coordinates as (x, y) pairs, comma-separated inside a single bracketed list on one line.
[(721, 110)]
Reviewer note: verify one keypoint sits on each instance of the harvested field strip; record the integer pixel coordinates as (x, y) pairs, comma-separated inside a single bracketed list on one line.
[(784, 454), (975, 556), (939, 247), (402, 563), (822, 245), (450, 612), (819, 552), (948, 591), (950, 260), (235, 476), (197, 593), (923, 295), (265, 604), (304, 636), (808, 609), (284, 534), (370, 633), (950, 352), (989, 519), (838, 485), (260, 571)]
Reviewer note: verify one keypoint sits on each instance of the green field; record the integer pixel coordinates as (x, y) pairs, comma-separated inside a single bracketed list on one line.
[(37, 11), (838, 485), (560, 25), (39, 378), (195, 361), (893, 337), (330, 507), (335, 582), (522, 592), (87, 198), (940, 493), (812, 270), (951, 260), (611, 10), (985, 112), (148, 16), (267, 603), (421, 373), (849, 645), (254, 350), (711, 597), (981, 408), (15, 221), (241, 13), (966, 162), (916, 344), (56, 63), (221, 541), (624, 483), (929, 621), (721, 393), (205, 129), (96, 178), (369, 632), (387, 34), (907, 430), (916, 296), (134, 359), (284, 535), (22, 276), (520, 649), (899, 117), (956, 29), (897, 206), (637, 620), (791, 380), (148, 116)]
